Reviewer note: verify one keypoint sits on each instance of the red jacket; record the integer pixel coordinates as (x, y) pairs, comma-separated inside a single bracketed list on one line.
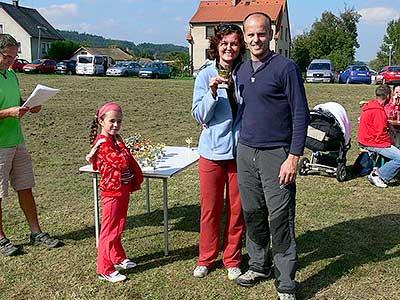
[(111, 160), (373, 128)]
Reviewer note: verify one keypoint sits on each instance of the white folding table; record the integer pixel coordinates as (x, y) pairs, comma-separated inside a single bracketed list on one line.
[(175, 160)]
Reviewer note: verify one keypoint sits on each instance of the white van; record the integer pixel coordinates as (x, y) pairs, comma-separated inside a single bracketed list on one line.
[(92, 64), (320, 70)]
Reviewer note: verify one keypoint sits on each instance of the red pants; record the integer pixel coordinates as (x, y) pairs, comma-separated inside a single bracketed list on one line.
[(110, 252), (214, 177)]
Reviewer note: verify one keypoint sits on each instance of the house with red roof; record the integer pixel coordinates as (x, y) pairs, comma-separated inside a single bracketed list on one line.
[(213, 12)]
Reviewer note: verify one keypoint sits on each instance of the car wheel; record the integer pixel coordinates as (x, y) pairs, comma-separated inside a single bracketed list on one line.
[(69, 72), (348, 80), (17, 70), (126, 74), (156, 76), (39, 71)]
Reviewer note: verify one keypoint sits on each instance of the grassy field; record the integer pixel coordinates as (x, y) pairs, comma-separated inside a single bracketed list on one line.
[(348, 233)]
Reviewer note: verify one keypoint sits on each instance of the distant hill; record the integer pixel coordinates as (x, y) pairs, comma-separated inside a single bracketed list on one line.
[(92, 40)]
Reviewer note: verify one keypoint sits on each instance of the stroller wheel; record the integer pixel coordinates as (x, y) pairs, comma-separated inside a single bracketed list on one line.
[(341, 173), (303, 166)]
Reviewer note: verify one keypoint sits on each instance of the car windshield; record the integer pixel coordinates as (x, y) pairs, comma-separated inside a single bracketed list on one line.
[(85, 59), (120, 65), (394, 69), (320, 66), (360, 68), (37, 62)]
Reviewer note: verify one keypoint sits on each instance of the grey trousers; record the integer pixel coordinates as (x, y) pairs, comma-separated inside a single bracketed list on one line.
[(269, 211)]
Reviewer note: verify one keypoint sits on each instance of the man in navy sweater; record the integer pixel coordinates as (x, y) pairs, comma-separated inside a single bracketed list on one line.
[(271, 140)]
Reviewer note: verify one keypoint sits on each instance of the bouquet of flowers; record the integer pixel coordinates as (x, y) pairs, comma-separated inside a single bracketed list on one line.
[(145, 152)]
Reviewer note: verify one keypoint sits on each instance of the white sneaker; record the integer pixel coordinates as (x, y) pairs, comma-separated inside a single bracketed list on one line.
[(285, 296), (126, 264), (234, 273), (376, 180), (200, 271), (113, 277)]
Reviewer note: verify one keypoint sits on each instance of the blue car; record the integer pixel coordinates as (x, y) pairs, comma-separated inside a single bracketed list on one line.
[(356, 74)]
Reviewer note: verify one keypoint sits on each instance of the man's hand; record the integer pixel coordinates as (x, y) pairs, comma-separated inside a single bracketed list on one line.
[(16, 111), (35, 109), (288, 171)]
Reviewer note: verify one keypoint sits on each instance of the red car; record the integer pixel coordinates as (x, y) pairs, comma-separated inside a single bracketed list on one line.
[(19, 64), (389, 75), (40, 66)]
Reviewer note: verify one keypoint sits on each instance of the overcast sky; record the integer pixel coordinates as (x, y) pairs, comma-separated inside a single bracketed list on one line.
[(166, 21)]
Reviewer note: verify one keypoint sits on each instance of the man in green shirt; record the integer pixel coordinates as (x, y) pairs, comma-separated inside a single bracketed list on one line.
[(15, 161)]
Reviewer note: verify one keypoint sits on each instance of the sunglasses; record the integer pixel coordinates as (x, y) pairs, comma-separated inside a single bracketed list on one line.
[(225, 27)]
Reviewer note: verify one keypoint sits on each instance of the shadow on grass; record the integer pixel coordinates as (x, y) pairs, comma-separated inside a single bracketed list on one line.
[(188, 220), (349, 245)]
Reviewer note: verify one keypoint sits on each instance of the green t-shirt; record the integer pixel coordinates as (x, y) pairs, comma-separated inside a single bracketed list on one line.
[(10, 95)]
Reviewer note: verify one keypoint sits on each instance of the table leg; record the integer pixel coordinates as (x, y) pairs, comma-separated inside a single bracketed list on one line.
[(147, 194), (165, 194), (96, 209)]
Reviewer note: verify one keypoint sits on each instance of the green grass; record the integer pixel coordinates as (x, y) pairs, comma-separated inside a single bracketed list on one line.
[(347, 233)]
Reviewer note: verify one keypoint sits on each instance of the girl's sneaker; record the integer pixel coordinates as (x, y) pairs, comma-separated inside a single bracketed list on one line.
[(234, 273), (200, 271), (113, 277), (126, 264)]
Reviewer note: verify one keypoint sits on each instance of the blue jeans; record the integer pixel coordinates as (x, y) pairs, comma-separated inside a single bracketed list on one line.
[(390, 169)]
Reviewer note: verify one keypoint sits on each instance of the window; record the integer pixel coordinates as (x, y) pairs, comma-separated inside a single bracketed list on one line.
[(48, 46), (209, 31), (286, 34), (280, 51), (281, 32), (286, 53), (44, 48), (19, 47), (1, 28)]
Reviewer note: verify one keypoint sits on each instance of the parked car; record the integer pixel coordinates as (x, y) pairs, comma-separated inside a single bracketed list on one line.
[(66, 67), (93, 64), (320, 70), (389, 75), (40, 66), (355, 74), (127, 68), (155, 70), (206, 64), (19, 64)]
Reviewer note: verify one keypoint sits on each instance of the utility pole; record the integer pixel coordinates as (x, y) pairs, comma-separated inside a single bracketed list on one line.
[(40, 28), (390, 54)]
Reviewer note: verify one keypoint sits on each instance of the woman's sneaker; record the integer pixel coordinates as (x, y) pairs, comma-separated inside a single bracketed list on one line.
[(7, 248), (200, 271), (234, 273), (376, 180), (113, 277), (251, 278), (285, 296), (126, 264), (45, 240)]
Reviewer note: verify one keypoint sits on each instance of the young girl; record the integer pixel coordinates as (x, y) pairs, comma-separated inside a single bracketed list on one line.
[(120, 176)]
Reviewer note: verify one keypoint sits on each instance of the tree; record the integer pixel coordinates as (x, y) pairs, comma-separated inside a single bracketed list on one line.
[(330, 37), (61, 50), (392, 37)]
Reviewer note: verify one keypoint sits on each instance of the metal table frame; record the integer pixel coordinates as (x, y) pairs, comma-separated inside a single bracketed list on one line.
[(176, 160)]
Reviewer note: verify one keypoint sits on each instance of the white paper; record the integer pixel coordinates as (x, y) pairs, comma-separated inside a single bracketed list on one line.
[(39, 96)]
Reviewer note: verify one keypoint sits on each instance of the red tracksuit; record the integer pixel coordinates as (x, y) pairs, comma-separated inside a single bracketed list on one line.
[(215, 177), (111, 159)]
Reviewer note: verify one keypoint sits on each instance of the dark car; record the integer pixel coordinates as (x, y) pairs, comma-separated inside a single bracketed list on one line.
[(389, 75), (19, 64), (66, 67), (356, 74), (155, 70), (40, 66)]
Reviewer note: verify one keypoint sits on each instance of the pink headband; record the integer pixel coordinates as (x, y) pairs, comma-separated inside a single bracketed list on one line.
[(109, 106)]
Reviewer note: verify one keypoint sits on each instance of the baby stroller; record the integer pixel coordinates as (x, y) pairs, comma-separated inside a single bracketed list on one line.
[(328, 137)]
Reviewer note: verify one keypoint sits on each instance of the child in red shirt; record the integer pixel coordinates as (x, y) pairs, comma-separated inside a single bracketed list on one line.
[(120, 176)]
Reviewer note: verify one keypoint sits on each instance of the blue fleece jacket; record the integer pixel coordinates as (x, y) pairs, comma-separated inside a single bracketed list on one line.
[(276, 112), (218, 140)]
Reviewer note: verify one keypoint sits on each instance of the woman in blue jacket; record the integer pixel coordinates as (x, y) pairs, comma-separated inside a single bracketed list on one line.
[(218, 109)]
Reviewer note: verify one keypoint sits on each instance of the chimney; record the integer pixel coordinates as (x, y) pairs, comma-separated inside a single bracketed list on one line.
[(15, 3)]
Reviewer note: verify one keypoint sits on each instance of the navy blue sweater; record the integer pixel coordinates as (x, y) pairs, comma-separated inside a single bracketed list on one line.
[(276, 111)]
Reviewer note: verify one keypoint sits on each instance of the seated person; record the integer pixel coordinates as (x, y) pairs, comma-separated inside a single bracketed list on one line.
[(392, 109), (373, 135)]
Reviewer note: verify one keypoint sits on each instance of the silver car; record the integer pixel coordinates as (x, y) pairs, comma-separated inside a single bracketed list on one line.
[(126, 68)]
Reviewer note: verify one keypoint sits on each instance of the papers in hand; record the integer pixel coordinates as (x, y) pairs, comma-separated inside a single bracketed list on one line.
[(40, 95)]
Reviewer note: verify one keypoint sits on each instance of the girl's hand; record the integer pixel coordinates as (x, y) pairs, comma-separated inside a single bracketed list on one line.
[(214, 81)]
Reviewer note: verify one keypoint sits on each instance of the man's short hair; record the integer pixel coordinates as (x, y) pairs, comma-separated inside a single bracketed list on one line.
[(268, 23), (383, 91), (7, 40)]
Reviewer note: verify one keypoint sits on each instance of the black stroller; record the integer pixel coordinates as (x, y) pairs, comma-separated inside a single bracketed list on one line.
[(328, 141)]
